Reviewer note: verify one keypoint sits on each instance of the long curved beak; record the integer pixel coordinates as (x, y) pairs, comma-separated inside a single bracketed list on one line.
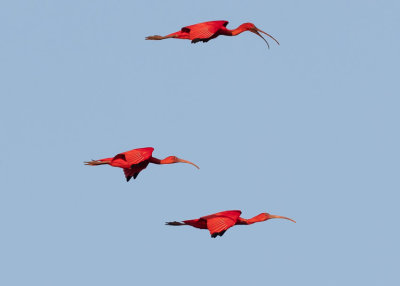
[(257, 30), (185, 161), (278, 216)]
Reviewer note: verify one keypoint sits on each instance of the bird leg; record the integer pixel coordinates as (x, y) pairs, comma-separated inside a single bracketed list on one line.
[(95, 163), (174, 223), (157, 37)]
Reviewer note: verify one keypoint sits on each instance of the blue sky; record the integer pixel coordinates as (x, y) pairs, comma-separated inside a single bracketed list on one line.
[(308, 130)]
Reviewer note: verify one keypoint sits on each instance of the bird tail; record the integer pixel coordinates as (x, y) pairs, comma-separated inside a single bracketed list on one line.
[(176, 223), (96, 162)]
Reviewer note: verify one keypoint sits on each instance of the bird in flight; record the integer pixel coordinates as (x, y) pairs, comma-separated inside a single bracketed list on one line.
[(136, 160), (220, 222), (203, 32)]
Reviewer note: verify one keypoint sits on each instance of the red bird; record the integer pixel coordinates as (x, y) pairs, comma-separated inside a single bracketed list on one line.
[(218, 223), (210, 30), (136, 160)]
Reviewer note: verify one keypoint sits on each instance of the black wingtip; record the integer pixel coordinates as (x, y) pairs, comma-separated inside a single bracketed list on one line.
[(128, 178), (215, 234)]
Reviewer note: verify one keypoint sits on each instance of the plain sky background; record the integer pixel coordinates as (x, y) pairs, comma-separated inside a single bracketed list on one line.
[(308, 129)]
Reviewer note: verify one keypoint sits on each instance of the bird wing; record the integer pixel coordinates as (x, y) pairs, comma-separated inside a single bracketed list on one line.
[(135, 156), (204, 30), (129, 173), (218, 223)]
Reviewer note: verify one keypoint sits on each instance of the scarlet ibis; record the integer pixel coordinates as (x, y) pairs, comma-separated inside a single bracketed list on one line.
[(203, 32), (220, 222), (136, 160)]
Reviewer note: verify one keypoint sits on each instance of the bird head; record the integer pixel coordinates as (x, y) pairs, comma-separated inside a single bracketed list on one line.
[(268, 216), (174, 159), (252, 28)]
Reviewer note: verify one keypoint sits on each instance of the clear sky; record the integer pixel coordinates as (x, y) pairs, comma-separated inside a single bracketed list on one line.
[(308, 130)]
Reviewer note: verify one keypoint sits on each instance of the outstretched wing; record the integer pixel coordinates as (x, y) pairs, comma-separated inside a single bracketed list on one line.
[(218, 223), (135, 156), (204, 30)]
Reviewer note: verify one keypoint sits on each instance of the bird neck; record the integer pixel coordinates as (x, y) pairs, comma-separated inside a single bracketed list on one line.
[(237, 31), (155, 160), (168, 160), (257, 218), (241, 221), (247, 221)]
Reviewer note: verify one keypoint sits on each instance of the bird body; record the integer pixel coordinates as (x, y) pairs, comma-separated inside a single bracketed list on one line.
[(203, 32), (136, 160), (220, 222)]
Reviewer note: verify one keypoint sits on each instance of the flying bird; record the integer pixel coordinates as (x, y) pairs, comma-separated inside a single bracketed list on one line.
[(220, 222), (203, 32), (136, 160)]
